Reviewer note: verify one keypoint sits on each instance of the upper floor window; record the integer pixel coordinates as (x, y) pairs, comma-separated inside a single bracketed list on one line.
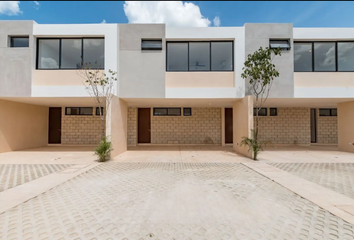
[(19, 41), (151, 44), (323, 56), (200, 56), (69, 53), (283, 44)]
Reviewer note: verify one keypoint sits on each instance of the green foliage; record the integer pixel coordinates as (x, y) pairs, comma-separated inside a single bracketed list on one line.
[(259, 67), (253, 143), (260, 72), (103, 150)]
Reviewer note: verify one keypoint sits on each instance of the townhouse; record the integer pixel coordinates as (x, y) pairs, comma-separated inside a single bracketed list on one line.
[(175, 85)]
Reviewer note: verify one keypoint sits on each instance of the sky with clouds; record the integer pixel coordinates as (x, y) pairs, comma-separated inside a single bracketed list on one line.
[(182, 13)]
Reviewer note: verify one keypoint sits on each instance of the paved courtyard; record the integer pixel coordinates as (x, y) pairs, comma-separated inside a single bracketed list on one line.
[(171, 201), (336, 176)]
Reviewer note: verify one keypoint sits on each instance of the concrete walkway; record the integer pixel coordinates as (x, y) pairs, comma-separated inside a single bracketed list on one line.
[(171, 201)]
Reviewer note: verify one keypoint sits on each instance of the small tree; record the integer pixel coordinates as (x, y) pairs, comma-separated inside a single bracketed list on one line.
[(260, 72), (100, 86)]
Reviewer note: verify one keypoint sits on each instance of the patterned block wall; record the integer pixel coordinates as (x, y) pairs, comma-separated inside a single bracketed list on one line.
[(80, 130), (203, 127), (327, 130), (292, 125), (132, 126)]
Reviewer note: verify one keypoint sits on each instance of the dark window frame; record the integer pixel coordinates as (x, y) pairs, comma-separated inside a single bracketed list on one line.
[(330, 112), (167, 114), (12, 37), (149, 48), (185, 114), (270, 112), (60, 53), (97, 112), (233, 55), (266, 112), (66, 111), (335, 54)]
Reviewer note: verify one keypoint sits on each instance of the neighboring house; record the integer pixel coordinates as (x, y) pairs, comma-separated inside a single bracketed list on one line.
[(176, 85)]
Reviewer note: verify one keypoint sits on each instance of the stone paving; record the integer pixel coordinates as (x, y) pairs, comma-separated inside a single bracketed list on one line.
[(336, 176), (171, 201), (12, 175)]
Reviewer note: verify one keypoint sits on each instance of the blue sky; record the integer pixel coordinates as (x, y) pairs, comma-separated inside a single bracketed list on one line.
[(301, 14)]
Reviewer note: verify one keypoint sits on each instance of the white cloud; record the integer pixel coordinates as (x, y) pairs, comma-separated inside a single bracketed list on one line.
[(174, 13), (217, 21), (103, 21), (37, 5), (10, 7)]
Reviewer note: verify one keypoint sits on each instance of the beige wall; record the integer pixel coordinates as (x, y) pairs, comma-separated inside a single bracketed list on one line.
[(57, 78), (323, 79), (242, 123), (203, 127), (80, 130), (199, 79), (22, 126), (327, 129), (345, 126), (291, 126), (118, 126)]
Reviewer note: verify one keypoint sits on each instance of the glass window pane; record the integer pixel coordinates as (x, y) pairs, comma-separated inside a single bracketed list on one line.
[(48, 53), (273, 111), (334, 112), (71, 53), (324, 56), (98, 111), (325, 112), (174, 111), (221, 56), (177, 56), (303, 57), (93, 52), (345, 56), (151, 44), (160, 111), (199, 56), (283, 44), (86, 111), (19, 42), (187, 111), (262, 112)]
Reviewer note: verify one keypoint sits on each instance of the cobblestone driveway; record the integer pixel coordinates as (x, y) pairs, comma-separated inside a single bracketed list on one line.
[(171, 201), (337, 176), (12, 175)]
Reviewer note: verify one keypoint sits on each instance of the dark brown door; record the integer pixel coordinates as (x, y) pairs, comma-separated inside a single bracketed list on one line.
[(228, 126), (54, 131), (144, 125)]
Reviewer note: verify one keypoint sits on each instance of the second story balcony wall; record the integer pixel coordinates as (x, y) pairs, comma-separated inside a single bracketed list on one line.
[(200, 64), (324, 64)]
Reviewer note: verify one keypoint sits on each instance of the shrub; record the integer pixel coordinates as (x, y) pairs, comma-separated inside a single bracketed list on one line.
[(103, 150), (253, 143)]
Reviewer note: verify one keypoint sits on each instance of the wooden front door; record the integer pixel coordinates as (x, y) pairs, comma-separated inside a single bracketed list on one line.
[(144, 122), (54, 131), (228, 126)]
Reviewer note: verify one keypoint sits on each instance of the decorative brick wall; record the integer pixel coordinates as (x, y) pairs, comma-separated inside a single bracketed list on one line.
[(80, 130), (290, 126), (203, 127), (132, 125), (327, 131)]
